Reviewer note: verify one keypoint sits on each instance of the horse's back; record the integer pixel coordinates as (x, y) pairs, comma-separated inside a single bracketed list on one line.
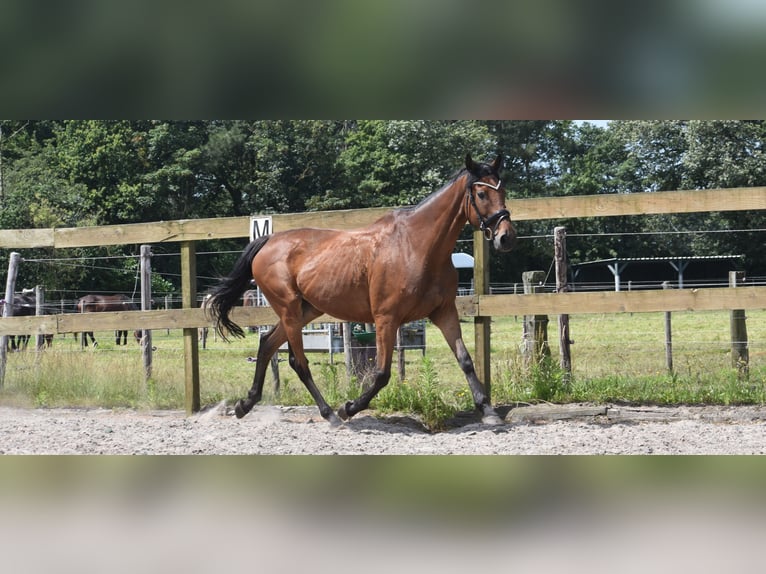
[(103, 303), (349, 274), (325, 267)]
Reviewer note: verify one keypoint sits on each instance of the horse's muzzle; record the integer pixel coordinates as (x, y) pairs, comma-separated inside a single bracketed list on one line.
[(505, 236)]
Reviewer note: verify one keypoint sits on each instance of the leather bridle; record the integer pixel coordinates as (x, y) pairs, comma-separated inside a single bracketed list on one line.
[(488, 225)]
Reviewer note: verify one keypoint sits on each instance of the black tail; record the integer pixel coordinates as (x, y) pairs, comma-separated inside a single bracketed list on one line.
[(228, 292)]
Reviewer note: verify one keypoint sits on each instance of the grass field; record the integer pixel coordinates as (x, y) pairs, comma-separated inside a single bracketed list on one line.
[(616, 358)]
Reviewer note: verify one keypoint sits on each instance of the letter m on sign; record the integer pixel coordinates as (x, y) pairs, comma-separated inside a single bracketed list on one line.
[(260, 226)]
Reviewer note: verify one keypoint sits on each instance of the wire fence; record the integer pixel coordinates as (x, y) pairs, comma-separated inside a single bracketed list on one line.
[(624, 345)]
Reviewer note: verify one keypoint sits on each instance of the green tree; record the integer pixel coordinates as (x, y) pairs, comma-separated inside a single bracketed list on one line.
[(400, 162), (94, 172), (273, 166), (537, 154), (646, 156), (108, 158), (723, 154), (171, 175), (534, 153)]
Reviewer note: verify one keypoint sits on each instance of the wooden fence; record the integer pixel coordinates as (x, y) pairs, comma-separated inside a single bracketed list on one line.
[(481, 307)]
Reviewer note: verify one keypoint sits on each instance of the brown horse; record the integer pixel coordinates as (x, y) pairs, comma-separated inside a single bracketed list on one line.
[(397, 270), (103, 303)]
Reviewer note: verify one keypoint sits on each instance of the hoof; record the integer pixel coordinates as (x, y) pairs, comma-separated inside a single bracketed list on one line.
[(343, 411), (334, 421), (492, 420), (239, 410)]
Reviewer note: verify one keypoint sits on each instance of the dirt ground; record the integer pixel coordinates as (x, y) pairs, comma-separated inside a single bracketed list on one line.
[(573, 429)]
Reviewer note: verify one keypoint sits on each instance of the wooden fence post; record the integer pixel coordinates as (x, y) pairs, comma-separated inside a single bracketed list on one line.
[(535, 326), (668, 334), (275, 373), (146, 305), (10, 289), (347, 349), (740, 356), (167, 306), (191, 349), (202, 333), (562, 286), (39, 310), (482, 325)]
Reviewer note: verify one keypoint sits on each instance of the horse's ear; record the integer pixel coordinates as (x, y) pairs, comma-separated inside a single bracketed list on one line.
[(497, 165), (469, 163)]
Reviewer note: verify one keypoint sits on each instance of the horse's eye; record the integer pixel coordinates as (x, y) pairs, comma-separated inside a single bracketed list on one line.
[(482, 195)]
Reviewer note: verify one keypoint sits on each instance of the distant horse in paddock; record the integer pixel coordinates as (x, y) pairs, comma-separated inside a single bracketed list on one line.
[(23, 306), (105, 303), (397, 270), (48, 340)]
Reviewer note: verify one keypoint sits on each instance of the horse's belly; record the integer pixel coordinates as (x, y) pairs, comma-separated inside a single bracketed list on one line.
[(350, 303), (359, 314), (342, 294)]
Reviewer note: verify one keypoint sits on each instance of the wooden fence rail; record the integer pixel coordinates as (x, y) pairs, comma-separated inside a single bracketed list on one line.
[(735, 199), (481, 307)]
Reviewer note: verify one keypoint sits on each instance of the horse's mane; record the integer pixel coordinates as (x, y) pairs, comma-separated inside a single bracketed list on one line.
[(457, 175), (483, 170)]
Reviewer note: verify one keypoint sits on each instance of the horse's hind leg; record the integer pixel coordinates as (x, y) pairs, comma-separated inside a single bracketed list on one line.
[(299, 363), (268, 345)]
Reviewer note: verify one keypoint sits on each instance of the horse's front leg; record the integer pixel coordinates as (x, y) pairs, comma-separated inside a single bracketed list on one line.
[(448, 322), (385, 340)]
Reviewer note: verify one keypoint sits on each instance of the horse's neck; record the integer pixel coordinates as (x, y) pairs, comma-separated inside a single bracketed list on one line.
[(438, 221)]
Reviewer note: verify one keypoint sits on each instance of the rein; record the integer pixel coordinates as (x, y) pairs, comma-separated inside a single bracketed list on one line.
[(489, 225)]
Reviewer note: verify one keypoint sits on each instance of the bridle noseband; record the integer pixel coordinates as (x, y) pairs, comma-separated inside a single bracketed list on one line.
[(489, 225)]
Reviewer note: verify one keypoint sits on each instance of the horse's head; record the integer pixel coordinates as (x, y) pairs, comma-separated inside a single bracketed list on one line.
[(485, 203)]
